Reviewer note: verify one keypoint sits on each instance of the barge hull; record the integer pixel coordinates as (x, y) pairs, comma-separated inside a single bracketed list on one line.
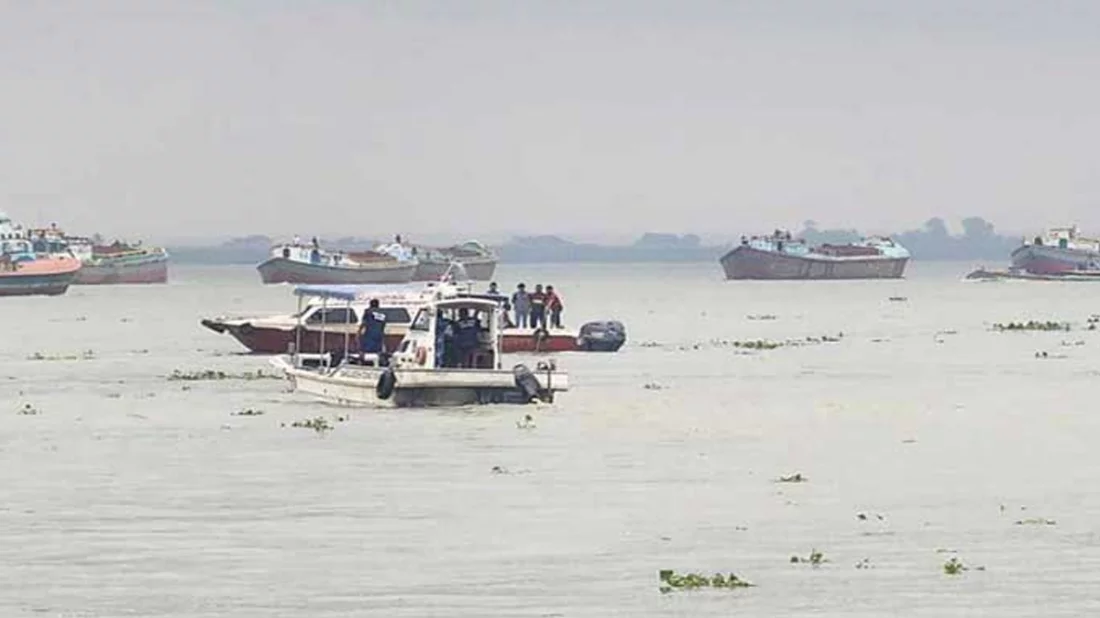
[(111, 272), (267, 340), (281, 270), (1044, 260), (748, 263), (481, 270)]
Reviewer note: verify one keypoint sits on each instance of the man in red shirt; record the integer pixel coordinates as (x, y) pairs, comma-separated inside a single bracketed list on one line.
[(538, 308), (554, 304)]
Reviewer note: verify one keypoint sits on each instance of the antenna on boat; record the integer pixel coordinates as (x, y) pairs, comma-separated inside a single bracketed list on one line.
[(455, 272)]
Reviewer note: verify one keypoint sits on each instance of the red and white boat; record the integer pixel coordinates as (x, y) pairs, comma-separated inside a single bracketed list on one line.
[(319, 327), (101, 264)]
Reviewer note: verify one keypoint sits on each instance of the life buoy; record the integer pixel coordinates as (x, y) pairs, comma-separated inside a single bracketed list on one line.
[(421, 356), (386, 383)]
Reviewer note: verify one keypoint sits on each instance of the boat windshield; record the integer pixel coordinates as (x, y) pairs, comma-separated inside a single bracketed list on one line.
[(422, 322)]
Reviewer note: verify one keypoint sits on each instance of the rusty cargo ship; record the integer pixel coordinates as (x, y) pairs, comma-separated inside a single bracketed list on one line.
[(780, 256)]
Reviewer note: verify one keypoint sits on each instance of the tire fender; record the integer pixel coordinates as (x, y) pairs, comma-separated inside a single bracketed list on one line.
[(386, 383)]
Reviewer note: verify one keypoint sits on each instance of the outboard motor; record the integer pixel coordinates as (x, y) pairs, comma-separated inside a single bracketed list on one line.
[(526, 382), (606, 336)]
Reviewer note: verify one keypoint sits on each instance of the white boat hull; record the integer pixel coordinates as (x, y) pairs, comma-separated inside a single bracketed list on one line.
[(351, 385)]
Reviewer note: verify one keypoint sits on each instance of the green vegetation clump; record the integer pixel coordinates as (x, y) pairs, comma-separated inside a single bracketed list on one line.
[(85, 355), (319, 424), (793, 478), (1036, 521), (954, 567), (759, 344), (211, 374), (1032, 325), (671, 580), (815, 559), (248, 412)]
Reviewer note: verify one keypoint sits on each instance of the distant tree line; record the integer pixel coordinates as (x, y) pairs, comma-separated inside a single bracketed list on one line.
[(933, 241)]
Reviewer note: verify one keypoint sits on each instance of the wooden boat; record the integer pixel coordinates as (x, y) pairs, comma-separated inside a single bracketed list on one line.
[(116, 263), (274, 334), (298, 263), (781, 256), (1020, 274), (425, 370), (23, 272), (479, 261)]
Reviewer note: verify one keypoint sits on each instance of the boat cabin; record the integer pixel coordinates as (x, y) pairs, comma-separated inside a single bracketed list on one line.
[(336, 310), (398, 302), (49, 241), (1066, 238), (454, 333), (13, 251)]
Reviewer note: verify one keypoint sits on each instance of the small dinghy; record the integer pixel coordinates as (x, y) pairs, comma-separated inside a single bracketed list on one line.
[(440, 362)]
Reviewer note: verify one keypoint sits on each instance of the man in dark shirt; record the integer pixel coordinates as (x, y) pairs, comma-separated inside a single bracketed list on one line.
[(372, 330), (444, 340), (466, 336), (521, 302)]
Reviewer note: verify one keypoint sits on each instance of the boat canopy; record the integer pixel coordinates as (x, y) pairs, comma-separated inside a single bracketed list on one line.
[(469, 302), (383, 292)]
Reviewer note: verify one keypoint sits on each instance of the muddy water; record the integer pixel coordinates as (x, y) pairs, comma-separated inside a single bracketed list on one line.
[(128, 494)]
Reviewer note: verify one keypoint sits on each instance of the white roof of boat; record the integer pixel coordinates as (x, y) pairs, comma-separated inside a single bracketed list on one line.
[(382, 292)]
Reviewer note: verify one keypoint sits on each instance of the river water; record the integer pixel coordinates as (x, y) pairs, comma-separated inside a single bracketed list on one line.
[(129, 494)]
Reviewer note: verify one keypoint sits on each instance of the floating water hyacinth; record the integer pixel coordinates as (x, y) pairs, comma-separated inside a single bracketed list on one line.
[(747, 344), (815, 559), (670, 580), (954, 567), (1036, 521), (319, 424), (793, 478), (212, 374), (248, 412), (85, 355), (1032, 325)]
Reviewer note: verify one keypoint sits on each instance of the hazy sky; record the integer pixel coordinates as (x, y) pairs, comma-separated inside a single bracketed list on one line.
[(173, 120)]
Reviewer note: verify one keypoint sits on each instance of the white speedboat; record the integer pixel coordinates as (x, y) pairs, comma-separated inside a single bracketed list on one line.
[(428, 368)]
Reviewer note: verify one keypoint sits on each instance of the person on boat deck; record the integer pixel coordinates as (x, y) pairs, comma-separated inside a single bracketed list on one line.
[(467, 330), (372, 330), (554, 304), (521, 301), (494, 291), (538, 308), (444, 340)]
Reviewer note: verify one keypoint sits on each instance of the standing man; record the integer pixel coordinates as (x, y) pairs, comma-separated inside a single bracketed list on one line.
[(521, 302), (466, 337), (442, 339), (372, 331), (538, 308), (494, 291), (554, 304)]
